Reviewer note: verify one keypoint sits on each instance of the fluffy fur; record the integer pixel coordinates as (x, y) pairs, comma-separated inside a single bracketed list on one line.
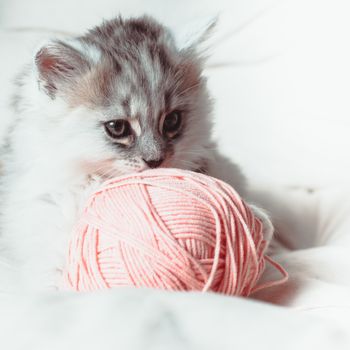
[(58, 150)]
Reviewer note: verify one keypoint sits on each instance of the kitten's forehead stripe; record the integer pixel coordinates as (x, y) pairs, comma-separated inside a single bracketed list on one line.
[(126, 106)]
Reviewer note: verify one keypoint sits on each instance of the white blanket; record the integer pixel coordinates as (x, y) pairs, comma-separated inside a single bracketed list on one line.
[(279, 75)]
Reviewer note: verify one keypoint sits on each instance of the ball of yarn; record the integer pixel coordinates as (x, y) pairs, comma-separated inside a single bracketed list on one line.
[(168, 229)]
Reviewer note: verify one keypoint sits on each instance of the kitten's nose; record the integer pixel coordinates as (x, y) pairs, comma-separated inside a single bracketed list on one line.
[(153, 163)]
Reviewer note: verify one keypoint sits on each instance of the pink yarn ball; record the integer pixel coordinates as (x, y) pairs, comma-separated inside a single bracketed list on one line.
[(169, 229)]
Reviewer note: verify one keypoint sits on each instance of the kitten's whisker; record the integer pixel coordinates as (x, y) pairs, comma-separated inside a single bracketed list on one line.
[(190, 152), (187, 164), (201, 153), (105, 172), (110, 173), (184, 92)]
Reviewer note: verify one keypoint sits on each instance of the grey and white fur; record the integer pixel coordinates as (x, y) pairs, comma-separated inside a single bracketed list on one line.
[(122, 98)]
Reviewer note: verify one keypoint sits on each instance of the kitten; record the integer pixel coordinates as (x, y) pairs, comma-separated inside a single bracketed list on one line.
[(122, 98)]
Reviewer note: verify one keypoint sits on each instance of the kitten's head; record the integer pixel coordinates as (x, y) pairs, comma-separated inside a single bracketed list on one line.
[(124, 98)]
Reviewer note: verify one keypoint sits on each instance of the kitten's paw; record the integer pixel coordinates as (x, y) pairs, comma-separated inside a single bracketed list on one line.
[(268, 228)]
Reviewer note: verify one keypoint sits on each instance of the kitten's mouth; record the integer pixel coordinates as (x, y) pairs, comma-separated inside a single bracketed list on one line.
[(150, 168), (109, 169)]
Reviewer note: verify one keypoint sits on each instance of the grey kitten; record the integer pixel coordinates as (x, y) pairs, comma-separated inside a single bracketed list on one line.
[(151, 97), (121, 98)]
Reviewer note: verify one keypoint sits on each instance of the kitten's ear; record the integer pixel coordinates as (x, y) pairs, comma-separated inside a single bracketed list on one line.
[(195, 35), (57, 64)]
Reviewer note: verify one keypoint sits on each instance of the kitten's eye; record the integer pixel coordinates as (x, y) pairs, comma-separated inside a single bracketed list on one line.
[(118, 129), (172, 122)]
